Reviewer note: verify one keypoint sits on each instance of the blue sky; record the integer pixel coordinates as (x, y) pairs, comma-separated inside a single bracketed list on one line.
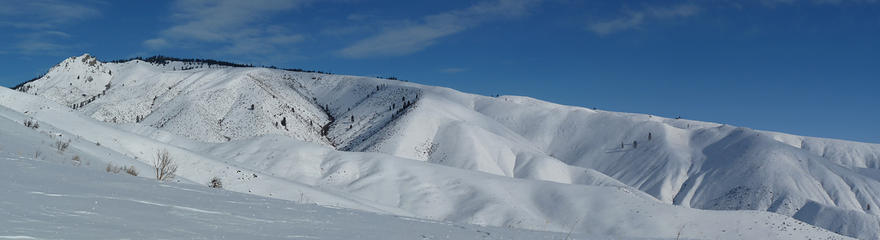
[(807, 67)]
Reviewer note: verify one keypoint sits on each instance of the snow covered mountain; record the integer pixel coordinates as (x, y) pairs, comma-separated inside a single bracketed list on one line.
[(428, 152)]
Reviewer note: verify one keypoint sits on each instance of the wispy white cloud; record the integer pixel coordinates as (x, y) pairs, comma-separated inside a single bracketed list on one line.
[(412, 36), (41, 14), (42, 42), (635, 19), (24, 25), (774, 3), (39, 47), (453, 70), (237, 26), (156, 43), (34, 25), (358, 24)]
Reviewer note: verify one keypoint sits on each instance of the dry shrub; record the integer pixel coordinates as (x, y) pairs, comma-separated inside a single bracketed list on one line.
[(130, 170), (117, 169), (164, 166), (113, 168), (215, 183), (61, 145)]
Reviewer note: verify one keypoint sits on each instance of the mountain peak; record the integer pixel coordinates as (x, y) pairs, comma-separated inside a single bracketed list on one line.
[(255, 115)]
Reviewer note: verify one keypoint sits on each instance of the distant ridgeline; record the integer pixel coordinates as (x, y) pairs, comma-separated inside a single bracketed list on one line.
[(20, 85), (163, 60)]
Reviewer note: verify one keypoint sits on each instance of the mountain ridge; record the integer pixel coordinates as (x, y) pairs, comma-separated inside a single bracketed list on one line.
[(674, 161)]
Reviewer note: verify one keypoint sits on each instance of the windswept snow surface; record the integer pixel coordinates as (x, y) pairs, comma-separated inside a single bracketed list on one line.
[(435, 153)]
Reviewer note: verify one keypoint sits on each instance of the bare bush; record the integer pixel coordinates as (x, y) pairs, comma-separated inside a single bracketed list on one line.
[(113, 168), (31, 123), (130, 170), (117, 169), (164, 165), (215, 183), (61, 145)]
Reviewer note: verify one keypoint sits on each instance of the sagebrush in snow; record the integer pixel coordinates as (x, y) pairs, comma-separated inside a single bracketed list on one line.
[(130, 170), (112, 168), (117, 169), (215, 183), (31, 123), (61, 145)]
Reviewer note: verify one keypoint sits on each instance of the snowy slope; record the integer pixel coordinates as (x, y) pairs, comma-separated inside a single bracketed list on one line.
[(424, 138), (47, 198), (712, 166)]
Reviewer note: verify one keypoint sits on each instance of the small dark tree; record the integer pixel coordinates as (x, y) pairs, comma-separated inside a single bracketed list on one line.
[(284, 121), (649, 136)]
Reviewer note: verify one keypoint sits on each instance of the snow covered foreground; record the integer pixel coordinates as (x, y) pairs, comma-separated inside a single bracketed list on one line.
[(48, 198), (435, 153)]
